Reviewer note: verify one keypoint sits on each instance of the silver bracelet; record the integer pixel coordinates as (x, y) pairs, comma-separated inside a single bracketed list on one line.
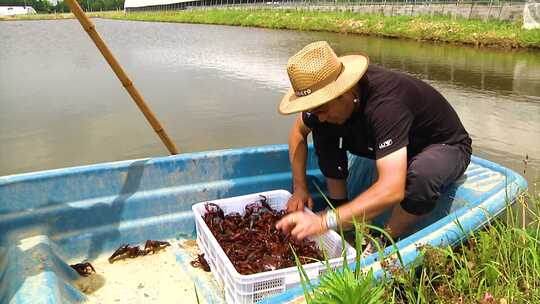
[(331, 219)]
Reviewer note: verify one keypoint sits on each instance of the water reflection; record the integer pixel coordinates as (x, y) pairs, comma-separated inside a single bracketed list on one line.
[(502, 71), (218, 87)]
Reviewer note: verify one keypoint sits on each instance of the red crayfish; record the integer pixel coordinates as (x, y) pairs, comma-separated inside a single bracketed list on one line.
[(83, 269), (126, 251), (201, 262), (252, 242)]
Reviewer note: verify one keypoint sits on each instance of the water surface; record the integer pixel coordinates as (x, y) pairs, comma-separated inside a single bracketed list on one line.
[(217, 87)]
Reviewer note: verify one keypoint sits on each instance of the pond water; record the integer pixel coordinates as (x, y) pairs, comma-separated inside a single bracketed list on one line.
[(216, 87)]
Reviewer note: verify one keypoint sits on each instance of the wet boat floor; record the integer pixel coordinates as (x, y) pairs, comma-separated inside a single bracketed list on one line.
[(163, 277)]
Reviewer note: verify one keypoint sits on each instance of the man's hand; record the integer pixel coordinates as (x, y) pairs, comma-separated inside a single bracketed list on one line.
[(302, 224), (297, 201)]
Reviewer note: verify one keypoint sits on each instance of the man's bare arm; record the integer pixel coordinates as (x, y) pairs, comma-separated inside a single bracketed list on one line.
[(388, 190), (298, 155)]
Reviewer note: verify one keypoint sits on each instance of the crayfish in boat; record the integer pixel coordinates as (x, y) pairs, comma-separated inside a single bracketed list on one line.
[(252, 242), (83, 269), (201, 262), (126, 251)]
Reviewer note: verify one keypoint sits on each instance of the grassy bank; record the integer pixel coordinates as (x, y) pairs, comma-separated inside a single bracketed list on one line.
[(498, 265), (57, 16), (437, 28)]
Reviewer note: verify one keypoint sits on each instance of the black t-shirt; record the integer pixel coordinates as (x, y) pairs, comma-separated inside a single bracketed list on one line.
[(395, 110)]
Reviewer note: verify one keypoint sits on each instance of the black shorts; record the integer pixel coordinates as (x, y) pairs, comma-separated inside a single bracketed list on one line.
[(428, 172)]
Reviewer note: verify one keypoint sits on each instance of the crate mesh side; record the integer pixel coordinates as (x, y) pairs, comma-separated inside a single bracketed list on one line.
[(268, 284), (261, 295), (243, 290)]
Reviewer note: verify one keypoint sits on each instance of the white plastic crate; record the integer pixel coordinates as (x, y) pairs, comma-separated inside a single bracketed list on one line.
[(252, 288)]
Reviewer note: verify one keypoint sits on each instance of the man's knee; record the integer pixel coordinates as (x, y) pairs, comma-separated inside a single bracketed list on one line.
[(421, 193), (428, 173), (421, 185)]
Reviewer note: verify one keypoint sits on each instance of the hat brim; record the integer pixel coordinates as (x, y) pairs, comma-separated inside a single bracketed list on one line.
[(354, 67)]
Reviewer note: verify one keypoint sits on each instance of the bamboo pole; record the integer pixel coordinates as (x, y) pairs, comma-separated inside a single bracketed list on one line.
[(89, 27)]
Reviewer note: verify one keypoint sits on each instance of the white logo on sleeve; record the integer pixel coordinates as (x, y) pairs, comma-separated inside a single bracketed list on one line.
[(387, 143)]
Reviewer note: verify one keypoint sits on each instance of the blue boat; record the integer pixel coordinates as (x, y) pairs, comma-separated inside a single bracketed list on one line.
[(52, 218)]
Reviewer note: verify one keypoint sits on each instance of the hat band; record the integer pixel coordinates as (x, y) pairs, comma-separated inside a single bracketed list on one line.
[(321, 84)]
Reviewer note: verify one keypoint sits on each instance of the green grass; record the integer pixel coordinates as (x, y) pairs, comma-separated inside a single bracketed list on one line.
[(54, 16), (423, 28), (500, 264), (490, 33), (502, 260)]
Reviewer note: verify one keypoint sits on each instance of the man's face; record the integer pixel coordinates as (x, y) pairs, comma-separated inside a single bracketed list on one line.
[(336, 111)]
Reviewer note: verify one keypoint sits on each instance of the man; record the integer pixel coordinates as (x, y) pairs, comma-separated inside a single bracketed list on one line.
[(415, 137)]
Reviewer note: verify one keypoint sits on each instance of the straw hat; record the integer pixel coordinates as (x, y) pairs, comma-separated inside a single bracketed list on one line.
[(317, 76)]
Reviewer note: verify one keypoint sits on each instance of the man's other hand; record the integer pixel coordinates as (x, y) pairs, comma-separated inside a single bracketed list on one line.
[(298, 200)]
